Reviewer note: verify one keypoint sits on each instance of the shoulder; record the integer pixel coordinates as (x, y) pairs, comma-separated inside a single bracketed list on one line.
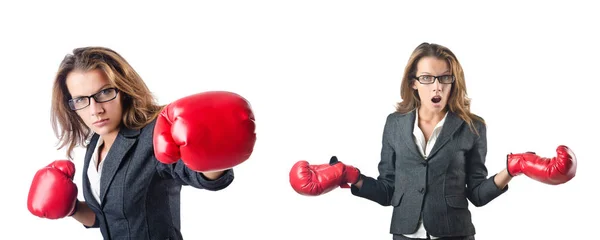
[(478, 125), (146, 133), (478, 121), (400, 115), (400, 118)]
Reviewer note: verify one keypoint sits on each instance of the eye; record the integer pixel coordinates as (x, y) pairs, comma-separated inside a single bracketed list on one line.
[(78, 100), (426, 78), (106, 91)]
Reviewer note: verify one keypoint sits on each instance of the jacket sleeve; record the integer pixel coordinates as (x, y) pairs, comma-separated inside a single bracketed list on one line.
[(188, 177), (480, 189), (380, 190)]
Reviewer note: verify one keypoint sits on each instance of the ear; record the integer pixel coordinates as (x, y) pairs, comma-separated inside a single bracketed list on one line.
[(414, 85)]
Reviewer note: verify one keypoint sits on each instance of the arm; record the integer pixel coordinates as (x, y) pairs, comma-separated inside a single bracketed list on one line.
[(481, 189), (379, 190), (213, 181), (85, 215)]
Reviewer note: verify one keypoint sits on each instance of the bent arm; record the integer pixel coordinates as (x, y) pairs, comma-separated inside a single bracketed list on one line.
[(480, 189)]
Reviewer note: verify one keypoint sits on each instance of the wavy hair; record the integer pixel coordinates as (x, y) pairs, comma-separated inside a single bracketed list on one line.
[(139, 105), (459, 103)]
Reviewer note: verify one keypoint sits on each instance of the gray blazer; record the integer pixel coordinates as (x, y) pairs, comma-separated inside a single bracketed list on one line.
[(139, 194), (437, 187)]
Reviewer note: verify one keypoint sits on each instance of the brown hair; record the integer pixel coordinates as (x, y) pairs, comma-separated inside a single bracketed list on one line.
[(139, 106), (458, 103)]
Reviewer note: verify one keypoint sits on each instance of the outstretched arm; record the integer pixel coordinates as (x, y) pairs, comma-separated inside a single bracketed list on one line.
[(380, 190)]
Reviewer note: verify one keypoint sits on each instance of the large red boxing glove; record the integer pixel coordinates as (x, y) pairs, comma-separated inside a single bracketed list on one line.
[(53, 194), (553, 171), (315, 180), (209, 131)]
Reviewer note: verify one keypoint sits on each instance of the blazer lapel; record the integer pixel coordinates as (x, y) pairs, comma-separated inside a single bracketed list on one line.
[(406, 125), (452, 123), (123, 143)]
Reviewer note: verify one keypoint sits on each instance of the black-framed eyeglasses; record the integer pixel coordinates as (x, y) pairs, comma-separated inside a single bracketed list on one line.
[(103, 95), (428, 79)]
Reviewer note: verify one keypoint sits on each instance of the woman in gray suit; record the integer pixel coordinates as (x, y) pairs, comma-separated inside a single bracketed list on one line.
[(100, 102), (433, 147), (432, 158)]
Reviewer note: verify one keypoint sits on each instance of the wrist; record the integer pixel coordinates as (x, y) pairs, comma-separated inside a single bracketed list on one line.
[(212, 175), (359, 183), (75, 208)]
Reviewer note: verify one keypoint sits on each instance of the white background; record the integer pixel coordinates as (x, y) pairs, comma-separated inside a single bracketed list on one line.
[(322, 77)]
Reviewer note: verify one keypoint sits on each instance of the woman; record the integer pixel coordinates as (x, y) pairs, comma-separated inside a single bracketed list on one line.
[(433, 156), (440, 147), (101, 102)]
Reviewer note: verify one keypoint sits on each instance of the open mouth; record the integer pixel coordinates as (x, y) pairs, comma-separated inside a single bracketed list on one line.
[(436, 99)]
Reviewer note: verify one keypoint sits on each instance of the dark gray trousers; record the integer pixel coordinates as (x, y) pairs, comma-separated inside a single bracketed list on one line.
[(402, 237)]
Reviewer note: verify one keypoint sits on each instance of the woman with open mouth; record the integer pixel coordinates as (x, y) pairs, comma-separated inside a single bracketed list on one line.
[(432, 157)]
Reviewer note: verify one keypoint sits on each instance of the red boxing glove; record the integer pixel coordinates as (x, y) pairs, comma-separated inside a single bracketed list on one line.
[(210, 131), (53, 194), (314, 180), (553, 171)]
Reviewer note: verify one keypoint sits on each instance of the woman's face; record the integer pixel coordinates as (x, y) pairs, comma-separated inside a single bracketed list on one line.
[(433, 92), (101, 113)]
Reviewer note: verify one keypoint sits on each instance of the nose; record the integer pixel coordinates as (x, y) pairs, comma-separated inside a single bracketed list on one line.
[(437, 86), (95, 108)]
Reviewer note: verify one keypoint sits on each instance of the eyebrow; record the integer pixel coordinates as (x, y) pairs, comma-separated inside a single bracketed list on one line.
[(100, 89), (447, 71)]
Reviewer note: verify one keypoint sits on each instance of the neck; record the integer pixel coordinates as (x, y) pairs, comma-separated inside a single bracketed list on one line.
[(431, 116), (109, 139)]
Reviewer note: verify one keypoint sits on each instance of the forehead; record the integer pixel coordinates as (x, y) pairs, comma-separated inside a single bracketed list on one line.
[(82, 83), (433, 65)]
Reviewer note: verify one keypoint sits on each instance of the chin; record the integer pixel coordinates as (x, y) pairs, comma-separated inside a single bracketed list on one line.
[(100, 131), (104, 130), (438, 106)]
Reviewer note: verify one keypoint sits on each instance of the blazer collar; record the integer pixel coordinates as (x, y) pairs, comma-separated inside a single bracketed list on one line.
[(407, 124), (123, 143), (453, 122)]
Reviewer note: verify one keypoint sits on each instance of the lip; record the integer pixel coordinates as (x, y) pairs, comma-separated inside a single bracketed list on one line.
[(101, 122)]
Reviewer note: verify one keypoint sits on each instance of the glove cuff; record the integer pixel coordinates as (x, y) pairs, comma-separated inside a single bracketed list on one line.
[(513, 163), (354, 175), (351, 173)]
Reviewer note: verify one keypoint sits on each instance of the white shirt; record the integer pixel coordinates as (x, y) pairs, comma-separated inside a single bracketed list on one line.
[(424, 148), (93, 174)]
